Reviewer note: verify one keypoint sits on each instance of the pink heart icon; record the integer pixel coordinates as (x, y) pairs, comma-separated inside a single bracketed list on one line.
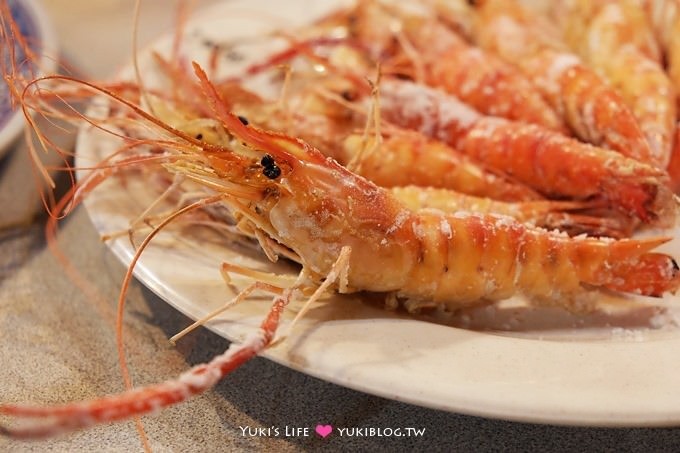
[(324, 430)]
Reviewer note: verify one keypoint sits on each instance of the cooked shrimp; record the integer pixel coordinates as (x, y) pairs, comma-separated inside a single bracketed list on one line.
[(549, 214), (401, 158), (353, 236), (674, 164), (594, 111), (622, 23), (419, 46), (665, 18), (408, 157), (615, 39), (457, 14), (549, 162)]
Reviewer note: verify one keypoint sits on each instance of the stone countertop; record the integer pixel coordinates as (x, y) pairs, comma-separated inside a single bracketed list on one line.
[(58, 343)]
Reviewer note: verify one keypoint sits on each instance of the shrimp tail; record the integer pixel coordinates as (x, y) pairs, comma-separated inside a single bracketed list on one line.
[(652, 275), (626, 249), (631, 268)]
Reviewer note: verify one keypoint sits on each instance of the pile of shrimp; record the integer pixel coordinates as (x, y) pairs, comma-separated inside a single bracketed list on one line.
[(441, 154)]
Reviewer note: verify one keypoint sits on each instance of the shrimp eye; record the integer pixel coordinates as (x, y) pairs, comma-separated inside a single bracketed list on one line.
[(243, 120), (272, 172)]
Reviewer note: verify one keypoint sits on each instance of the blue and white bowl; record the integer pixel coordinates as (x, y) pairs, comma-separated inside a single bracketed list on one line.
[(36, 27)]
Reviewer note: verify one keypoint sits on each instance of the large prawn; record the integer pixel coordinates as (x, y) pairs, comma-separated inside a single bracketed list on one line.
[(350, 235), (397, 158), (409, 158), (593, 109), (548, 214), (420, 47), (664, 16), (405, 157), (615, 39)]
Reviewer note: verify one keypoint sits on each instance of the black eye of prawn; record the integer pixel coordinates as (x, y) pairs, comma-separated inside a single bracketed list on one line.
[(271, 170), (267, 161)]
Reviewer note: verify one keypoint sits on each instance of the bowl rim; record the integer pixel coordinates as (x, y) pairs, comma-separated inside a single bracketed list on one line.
[(47, 35)]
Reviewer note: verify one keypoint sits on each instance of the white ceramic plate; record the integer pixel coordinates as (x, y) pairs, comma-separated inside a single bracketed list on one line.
[(37, 29), (615, 367)]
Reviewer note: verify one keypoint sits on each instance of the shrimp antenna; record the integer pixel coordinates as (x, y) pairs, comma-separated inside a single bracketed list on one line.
[(122, 297), (282, 103), (373, 121), (70, 417), (135, 58)]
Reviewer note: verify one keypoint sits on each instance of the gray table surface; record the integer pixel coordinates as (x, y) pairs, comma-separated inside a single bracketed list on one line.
[(57, 342)]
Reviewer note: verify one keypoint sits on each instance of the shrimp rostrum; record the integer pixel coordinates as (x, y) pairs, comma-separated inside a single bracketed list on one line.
[(351, 235)]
